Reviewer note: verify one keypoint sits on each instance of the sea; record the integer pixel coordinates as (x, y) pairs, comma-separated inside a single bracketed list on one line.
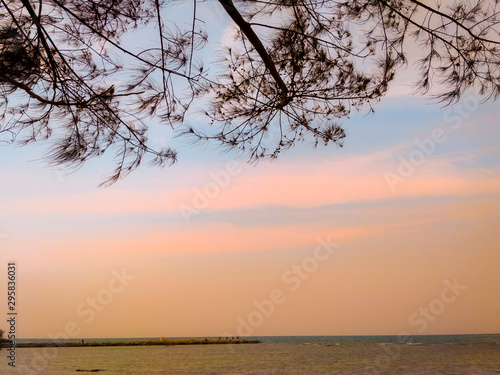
[(442, 354)]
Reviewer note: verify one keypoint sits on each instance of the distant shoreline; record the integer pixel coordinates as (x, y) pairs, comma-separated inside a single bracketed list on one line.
[(165, 342)]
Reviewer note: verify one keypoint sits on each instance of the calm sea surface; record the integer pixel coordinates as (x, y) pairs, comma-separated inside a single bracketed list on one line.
[(457, 354)]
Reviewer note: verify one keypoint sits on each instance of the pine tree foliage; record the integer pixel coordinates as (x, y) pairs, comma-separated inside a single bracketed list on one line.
[(70, 75)]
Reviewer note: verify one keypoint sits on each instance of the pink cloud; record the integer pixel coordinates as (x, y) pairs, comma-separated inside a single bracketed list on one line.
[(289, 184)]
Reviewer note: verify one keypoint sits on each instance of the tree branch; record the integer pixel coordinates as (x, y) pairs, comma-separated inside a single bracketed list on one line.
[(259, 47), (41, 35), (62, 103), (451, 19)]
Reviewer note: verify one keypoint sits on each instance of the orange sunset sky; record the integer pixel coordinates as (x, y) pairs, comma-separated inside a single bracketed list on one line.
[(398, 231), (198, 259)]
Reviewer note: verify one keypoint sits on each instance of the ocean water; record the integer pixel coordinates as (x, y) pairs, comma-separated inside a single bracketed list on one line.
[(450, 355)]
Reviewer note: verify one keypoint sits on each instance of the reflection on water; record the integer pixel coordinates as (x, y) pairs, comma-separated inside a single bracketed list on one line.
[(304, 356)]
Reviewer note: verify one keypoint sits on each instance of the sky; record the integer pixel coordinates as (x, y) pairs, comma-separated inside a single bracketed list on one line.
[(395, 233)]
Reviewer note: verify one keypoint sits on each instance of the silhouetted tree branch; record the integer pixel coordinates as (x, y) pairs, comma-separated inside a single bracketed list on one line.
[(246, 29), (296, 68)]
